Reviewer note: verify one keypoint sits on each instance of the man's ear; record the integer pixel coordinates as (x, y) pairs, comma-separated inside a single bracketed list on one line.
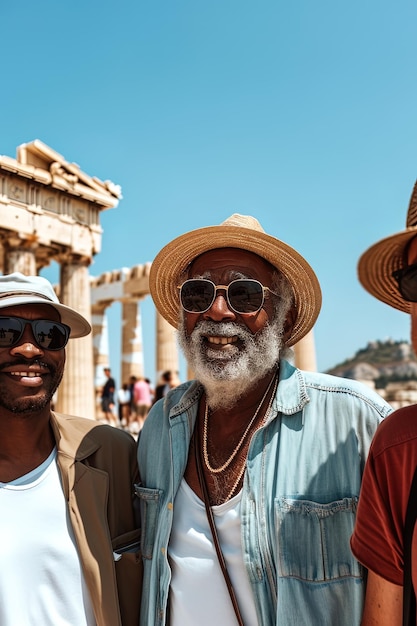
[(289, 323)]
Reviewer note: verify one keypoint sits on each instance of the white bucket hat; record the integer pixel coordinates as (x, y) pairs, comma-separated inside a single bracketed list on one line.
[(17, 289)]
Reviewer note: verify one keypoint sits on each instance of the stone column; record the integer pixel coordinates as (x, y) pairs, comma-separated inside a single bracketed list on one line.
[(305, 353), (76, 392), (19, 257), (166, 346), (132, 343), (101, 353)]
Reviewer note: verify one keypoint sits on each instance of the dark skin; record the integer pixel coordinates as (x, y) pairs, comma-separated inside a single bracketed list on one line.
[(226, 426), (226, 430), (29, 376), (384, 600)]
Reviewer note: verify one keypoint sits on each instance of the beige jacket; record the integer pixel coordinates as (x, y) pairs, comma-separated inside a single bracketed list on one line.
[(98, 469)]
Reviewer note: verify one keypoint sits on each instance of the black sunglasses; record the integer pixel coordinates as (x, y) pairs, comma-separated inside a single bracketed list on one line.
[(244, 296), (48, 335), (407, 282)]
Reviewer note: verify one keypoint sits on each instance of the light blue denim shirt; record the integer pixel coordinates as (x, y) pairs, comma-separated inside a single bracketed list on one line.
[(299, 498)]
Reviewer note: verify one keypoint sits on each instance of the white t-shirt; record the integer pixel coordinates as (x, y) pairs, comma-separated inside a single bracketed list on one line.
[(41, 581), (123, 396), (198, 593)]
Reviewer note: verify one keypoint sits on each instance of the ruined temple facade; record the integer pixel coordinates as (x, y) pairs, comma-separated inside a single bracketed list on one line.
[(50, 211), (129, 286)]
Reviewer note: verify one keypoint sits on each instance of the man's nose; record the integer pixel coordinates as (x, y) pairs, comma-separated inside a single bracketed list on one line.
[(27, 344), (220, 309)]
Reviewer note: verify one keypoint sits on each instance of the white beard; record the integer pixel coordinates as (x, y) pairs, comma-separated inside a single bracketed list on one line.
[(226, 377)]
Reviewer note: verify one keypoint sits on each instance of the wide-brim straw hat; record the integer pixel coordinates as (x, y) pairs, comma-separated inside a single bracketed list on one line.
[(245, 233), (377, 264)]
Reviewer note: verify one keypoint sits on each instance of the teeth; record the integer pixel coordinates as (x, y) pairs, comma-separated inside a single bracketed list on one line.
[(26, 374), (222, 340)]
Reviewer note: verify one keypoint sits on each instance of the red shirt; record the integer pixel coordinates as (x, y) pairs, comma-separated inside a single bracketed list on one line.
[(377, 541)]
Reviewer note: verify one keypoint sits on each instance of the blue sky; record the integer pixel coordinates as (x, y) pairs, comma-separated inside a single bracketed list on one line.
[(302, 114)]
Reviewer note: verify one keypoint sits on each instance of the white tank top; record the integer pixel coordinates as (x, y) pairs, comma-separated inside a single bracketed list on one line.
[(41, 581), (198, 593)]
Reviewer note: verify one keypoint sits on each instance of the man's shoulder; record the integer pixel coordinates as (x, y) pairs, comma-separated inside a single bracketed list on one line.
[(95, 445), (177, 400), (184, 394), (329, 381), (75, 428), (346, 387), (398, 429)]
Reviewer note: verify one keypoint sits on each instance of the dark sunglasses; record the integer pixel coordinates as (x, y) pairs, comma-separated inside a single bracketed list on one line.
[(407, 282), (48, 335), (243, 296)]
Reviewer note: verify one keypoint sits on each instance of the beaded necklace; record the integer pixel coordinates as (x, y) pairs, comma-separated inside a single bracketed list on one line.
[(242, 469), (218, 470)]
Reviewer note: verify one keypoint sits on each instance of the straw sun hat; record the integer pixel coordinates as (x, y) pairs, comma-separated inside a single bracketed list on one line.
[(377, 264), (246, 233)]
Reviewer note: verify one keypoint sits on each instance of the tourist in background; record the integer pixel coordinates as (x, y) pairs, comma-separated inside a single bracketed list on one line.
[(132, 380), (163, 386), (107, 398), (123, 402), (142, 396)]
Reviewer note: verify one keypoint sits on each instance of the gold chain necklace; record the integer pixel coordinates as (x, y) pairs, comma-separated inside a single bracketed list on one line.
[(218, 470), (242, 470)]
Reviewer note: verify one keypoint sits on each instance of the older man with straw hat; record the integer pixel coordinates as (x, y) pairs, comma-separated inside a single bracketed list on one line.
[(250, 473), (383, 539)]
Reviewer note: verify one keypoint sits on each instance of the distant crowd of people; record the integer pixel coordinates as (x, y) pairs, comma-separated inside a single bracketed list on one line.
[(128, 406)]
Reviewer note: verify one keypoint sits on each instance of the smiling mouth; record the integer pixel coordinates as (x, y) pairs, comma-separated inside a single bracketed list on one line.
[(26, 374), (223, 341)]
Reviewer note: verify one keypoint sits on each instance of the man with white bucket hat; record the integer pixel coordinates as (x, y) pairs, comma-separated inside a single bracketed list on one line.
[(70, 535), (250, 474)]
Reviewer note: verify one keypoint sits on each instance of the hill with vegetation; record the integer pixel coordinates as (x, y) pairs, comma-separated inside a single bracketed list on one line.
[(381, 361)]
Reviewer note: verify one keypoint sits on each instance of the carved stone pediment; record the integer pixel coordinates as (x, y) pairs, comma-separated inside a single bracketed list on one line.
[(39, 162), (47, 200)]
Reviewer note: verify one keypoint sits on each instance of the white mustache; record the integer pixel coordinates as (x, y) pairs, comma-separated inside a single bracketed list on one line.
[(222, 330)]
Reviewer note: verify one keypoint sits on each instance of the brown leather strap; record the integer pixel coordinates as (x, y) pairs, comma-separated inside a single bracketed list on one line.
[(212, 524)]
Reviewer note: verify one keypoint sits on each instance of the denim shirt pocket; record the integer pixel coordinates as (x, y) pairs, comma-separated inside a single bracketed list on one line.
[(149, 509), (313, 539)]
